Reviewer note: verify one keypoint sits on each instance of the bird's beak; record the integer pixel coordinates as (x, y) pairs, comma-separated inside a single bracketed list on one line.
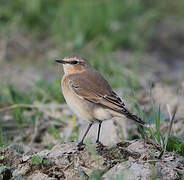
[(60, 61)]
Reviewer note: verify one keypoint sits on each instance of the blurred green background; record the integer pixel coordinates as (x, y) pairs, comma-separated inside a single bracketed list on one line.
[(129, 41), (41, 30)]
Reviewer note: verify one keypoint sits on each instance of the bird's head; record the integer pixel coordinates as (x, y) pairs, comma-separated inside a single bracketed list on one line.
[(74, 63)]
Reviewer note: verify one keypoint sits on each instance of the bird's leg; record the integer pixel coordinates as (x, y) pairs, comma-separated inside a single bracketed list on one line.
[(89, 126), (99, 128)]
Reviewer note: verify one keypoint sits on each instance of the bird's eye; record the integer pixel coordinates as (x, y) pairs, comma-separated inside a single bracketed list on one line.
[(74, 62)]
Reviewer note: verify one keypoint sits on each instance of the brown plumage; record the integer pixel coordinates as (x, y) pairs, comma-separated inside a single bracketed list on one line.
[(89, 95)]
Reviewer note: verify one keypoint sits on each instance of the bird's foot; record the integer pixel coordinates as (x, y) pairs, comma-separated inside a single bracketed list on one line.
[(99, 147), (81, 146), (99, 144)]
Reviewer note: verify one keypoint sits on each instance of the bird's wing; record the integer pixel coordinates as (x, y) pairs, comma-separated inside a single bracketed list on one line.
[(97, 90)]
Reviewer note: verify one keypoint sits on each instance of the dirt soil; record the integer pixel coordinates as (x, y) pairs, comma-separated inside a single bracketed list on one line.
[(134, 159)]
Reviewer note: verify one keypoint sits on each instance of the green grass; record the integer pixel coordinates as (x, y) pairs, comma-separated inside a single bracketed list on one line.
[(79, 23), (175, 144), (111, 23), (96, 175), (156, 117), (1, 139), (54, 132), (157, 135), (36, 160), (48, 92), (182, 176), (90, 27), (42, 91)]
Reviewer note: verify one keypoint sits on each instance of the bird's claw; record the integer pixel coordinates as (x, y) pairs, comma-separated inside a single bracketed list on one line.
[(81, 146), (99, 144)]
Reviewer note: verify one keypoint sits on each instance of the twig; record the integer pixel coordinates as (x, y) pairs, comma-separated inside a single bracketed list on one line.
[(18, 106), (26, 106), (42, 108), (172, 116), (152, 142), (35, 131)]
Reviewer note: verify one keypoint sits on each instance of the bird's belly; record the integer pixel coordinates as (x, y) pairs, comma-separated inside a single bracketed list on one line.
[(79, 106), (101, 113), (84, 109)]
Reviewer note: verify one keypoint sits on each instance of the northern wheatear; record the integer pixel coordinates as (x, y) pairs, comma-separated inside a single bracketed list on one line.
[(89, 95)]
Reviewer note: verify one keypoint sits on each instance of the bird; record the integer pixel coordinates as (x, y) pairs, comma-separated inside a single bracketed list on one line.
[(89, 95)]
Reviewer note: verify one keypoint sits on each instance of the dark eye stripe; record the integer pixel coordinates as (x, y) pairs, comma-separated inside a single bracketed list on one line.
[(73, 62)]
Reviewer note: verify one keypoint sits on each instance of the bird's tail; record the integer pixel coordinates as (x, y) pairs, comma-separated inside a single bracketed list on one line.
[(133, 117)]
